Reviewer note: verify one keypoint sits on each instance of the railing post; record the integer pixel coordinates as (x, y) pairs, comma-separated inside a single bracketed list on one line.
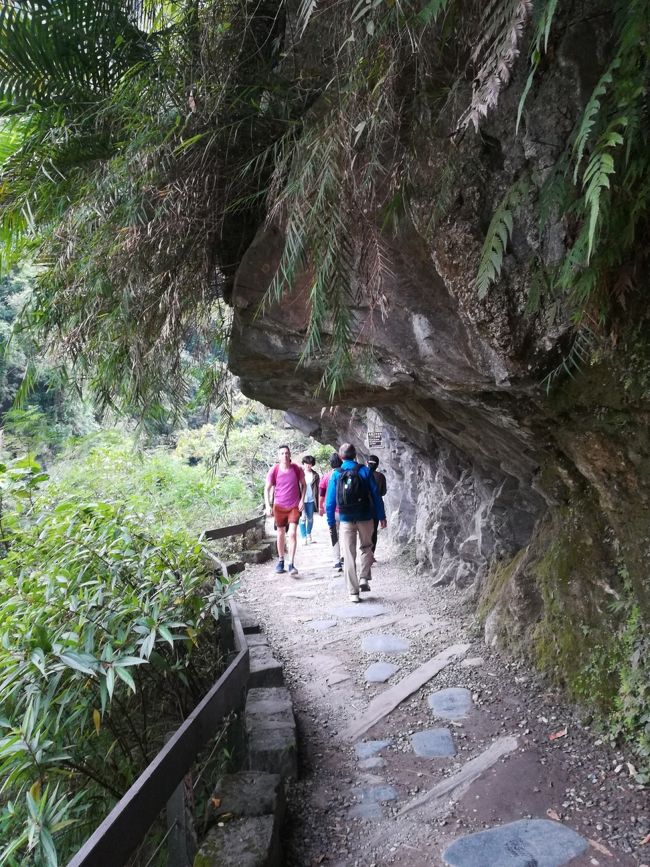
[(181, 844)]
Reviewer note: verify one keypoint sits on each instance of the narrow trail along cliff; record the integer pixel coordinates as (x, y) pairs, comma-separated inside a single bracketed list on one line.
[(413, 735)]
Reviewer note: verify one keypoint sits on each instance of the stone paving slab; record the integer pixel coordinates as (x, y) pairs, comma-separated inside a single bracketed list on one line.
[(367, 749), (385, 644), (371, 764), (378, 794), (433, 743), (365, 609), (472, 662), (452, 703), (369, 811), (380, 672), (529, 842), (320, 625), (388, 700)]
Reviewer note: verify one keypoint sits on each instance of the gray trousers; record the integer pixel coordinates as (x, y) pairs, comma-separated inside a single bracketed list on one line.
[(348, 532)]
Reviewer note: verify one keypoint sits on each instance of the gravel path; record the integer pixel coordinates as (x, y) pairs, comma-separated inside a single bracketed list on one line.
[(347, 808)]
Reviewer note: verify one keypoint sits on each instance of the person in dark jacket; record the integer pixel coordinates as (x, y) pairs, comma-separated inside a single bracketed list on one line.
[(356, 514), (380, 478), (335, 463)]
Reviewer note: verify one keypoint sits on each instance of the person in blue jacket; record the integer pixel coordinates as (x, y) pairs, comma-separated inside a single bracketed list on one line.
[(353, 490)]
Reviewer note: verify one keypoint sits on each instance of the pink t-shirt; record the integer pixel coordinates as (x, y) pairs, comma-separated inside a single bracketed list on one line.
[(287, 488)]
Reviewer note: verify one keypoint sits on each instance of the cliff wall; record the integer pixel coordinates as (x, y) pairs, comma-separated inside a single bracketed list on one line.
[(533, 499)]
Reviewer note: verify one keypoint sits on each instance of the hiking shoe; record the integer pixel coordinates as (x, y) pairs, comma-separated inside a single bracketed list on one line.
[(280, 566), (354, 597), (338, 565), (292, 571), (364, 586)]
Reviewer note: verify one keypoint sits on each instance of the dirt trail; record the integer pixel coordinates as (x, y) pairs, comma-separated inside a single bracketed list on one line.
[(358, 805)]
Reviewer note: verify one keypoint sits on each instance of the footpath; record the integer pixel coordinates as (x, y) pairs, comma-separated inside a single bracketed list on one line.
[(418, 745)]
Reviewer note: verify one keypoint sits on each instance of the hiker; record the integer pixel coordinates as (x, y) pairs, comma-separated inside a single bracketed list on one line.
[(335, 463), (311, 498), (284, 494), (380, 479), (353, 489)]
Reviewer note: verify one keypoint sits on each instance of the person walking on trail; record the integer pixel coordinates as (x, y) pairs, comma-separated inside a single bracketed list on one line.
[(284, 495), (380, 479), (353, 489), (311, 498), (335, 463)]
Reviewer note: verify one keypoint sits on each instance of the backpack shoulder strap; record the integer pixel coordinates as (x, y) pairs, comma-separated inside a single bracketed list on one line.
[(274, 474)]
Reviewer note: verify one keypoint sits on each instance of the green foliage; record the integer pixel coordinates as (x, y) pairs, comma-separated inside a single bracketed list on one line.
[(140, 169), (497, 237), (544, 14), (106, 642), (606, 200), (171, 493), (592, 637)]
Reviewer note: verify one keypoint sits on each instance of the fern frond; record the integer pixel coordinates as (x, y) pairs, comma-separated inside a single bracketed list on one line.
[(541, 36), (590, 114), (497, 237), (307, 9), (596, 178), (580, 353), (432, 10)]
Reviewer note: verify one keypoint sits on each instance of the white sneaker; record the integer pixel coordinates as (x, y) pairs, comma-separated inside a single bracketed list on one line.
[(354, 597), (310, 541)]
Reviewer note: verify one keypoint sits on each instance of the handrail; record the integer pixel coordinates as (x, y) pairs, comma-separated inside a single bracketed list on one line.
[(233, 529), (116, 838)]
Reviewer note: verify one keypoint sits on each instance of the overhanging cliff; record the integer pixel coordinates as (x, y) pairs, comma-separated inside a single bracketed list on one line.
[(534, 498)]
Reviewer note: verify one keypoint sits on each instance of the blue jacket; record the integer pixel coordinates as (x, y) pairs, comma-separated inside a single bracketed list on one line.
[(375, 507)]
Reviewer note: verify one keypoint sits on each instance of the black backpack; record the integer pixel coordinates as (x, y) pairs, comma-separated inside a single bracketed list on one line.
[(351, 492)]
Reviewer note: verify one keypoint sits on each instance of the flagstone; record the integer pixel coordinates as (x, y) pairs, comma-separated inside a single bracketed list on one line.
[(380, 672), (385, 644), (517, 844), (433, 743), (452, 703)]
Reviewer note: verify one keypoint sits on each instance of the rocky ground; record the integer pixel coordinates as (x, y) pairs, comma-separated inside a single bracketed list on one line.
[(386, 795)]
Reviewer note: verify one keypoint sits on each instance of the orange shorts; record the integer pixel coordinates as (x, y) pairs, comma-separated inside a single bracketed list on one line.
[(284, 517)]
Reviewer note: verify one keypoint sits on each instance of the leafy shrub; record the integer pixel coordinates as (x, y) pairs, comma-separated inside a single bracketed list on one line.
[(155, 482), (107, 641)]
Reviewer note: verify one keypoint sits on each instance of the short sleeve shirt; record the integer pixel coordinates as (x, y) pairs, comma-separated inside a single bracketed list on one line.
[(287, 485)]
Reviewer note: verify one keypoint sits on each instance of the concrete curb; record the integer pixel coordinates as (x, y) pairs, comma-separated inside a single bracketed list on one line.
[(247, 807)]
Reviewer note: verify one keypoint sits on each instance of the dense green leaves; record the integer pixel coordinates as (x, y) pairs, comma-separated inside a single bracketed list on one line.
[(106, 618)]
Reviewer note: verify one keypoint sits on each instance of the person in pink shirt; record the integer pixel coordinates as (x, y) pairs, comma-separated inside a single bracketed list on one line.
[(284, 495), (335, 463)]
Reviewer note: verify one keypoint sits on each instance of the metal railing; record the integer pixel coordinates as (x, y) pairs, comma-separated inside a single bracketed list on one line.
[(112, 843), (234, 529)]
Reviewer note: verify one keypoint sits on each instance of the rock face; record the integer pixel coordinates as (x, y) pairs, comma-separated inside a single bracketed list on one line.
[(531, 500)]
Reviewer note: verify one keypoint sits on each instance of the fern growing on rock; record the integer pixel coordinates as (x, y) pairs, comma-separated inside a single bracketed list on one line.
[(498, 235)]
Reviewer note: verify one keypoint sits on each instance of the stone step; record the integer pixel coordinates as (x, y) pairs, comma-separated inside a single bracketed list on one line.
[(247, 842), (271, 732), (247, 793), (265, 670), (257, 639), (248, 621), (260, 554)]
